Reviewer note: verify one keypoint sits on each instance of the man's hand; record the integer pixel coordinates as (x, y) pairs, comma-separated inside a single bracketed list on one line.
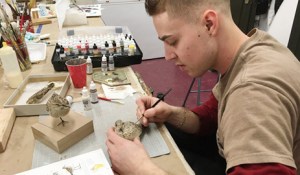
[(160, 113), (128, 157)]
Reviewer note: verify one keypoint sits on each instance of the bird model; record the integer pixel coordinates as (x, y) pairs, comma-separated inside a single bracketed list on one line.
[(128, 130), (58, 107), (38, 96)]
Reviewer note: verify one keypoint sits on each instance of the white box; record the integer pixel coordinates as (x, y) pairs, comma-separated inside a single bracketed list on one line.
[(19, 97), (37, 51)]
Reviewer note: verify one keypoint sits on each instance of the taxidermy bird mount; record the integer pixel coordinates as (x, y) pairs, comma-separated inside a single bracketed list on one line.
[(58, 107)]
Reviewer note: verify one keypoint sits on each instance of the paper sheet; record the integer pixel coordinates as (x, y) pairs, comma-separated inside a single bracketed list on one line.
[(91, 163), (117, 92), (104, 115)]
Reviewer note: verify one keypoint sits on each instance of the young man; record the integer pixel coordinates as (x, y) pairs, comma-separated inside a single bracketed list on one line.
[(254, 108)]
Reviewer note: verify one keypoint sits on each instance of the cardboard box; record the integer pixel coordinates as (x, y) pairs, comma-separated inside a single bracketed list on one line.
[(7, 119), (19, 97)]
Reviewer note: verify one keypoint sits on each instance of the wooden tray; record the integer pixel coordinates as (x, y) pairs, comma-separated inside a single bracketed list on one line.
[(19, 97)]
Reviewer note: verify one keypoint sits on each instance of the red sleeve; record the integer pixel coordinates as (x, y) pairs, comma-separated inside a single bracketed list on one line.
[(208, 115), (262, 169)]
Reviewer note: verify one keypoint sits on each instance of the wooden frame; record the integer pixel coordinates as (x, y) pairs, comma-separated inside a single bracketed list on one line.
[(7, 120)]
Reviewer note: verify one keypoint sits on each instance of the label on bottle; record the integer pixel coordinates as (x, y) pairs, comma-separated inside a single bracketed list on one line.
[(94, 96), (87, 104), (111, 66), (104, 67), (89, 68)]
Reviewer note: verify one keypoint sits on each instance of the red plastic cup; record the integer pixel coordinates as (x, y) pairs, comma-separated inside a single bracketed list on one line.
[(77, 71)]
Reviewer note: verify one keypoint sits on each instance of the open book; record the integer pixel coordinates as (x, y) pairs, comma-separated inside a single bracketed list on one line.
[(91, 163)]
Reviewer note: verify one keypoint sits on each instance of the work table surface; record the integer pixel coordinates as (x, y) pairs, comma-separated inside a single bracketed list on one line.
[(19, 151)]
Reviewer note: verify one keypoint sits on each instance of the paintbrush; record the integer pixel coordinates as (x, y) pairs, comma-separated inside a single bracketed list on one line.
[(159, 99), (8, 2)]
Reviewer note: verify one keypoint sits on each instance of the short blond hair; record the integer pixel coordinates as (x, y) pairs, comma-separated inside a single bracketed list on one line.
[(184, 8)]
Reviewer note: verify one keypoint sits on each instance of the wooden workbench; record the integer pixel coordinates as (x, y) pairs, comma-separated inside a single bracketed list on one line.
[(19, 151)]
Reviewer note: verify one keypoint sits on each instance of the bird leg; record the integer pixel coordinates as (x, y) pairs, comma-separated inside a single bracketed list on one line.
[(62, 122)]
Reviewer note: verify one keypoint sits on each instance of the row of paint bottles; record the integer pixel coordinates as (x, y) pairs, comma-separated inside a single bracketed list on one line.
[(11, 67), (110, 66), (122, 47)]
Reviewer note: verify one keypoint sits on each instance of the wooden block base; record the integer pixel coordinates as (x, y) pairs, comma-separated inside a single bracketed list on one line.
[(7, 119), (59, 138)]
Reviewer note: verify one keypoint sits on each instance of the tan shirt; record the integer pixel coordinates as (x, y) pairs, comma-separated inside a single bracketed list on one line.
[(259, 102)]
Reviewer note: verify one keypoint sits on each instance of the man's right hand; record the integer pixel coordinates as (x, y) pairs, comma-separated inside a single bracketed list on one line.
[(160, 113)]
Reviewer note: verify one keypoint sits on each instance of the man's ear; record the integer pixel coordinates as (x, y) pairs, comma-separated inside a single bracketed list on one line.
[(210, 18)]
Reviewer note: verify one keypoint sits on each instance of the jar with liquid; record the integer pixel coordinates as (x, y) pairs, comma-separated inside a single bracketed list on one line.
[(10, 65)]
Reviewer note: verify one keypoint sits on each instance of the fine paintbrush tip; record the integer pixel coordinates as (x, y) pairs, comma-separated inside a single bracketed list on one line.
[(159, 99)]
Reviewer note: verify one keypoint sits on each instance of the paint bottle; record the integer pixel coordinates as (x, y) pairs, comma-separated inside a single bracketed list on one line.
[(91, 49), (93, 93), (89, 65), (104, 65), (114, 44), (86, 99), (111, 63), (57, 48), (75, 49), (83, 49), (87, 47), (62, 54), (118, 48), (122, 46), (106, 47), (131, 50), (95, 50), (78, 46)]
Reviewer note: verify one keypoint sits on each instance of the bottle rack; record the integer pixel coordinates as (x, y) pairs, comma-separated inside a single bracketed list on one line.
[(74, 46)]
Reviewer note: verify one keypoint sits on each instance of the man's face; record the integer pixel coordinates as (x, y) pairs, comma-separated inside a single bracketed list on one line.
[(187, 44)]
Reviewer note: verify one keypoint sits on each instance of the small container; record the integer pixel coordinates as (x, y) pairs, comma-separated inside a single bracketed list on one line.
[(62, 54), (93, 93), (131, 50), (104, 64), (106, 47), (57, 48), (11, 67), (122, 45), (86, 99), (89, 66), (111, 63), (95, 50), (114, 44), (83, 49)]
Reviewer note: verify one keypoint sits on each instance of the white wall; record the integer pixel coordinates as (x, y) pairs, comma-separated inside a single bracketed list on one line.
[(133, 15)]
